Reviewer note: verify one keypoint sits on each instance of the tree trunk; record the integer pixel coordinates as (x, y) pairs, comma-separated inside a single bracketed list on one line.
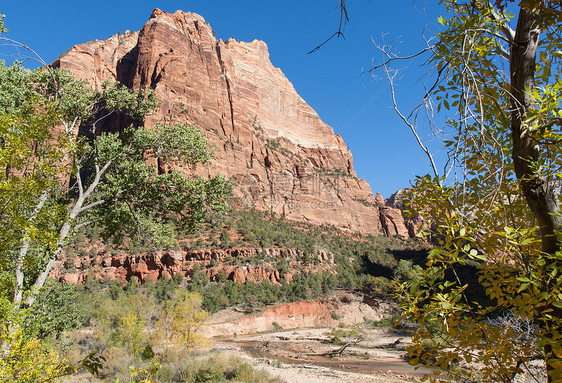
[(537, 191), (18, 289)]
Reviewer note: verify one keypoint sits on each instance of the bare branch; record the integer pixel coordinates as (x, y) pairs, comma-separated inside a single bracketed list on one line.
[(344, 18), (336, 34), (21, 45), (34, 55), (392, 57), (390, 77)]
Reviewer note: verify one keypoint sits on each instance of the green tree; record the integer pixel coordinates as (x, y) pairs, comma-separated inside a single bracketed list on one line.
[(56, 309), (54, 180), (27, 359), (111, 182), (497, 83)]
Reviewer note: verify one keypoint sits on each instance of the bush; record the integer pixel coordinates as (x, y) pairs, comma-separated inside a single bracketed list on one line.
[(220, 368), (28, 359), (407, 271), (378, 286), (180, 320), (56, 309)]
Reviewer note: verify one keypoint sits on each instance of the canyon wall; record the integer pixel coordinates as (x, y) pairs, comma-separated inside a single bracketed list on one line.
[(277, 152)]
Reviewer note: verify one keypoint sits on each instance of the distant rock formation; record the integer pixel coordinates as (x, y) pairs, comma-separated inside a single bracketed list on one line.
[(279, 155), (411, 226)]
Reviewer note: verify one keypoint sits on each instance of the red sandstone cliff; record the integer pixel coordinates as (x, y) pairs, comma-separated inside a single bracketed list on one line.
[(279, 155)]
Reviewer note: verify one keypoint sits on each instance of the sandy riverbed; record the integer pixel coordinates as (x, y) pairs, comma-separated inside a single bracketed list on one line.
[(301, 341), (303, 356)]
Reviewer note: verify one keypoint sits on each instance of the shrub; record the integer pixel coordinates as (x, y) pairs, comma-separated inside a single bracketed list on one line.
[(55, 310), (27, 359), (406, 270), (220, 368)]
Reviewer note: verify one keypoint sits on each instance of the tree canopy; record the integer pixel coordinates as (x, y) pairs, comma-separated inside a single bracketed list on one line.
[(55, 179), (60, 170), (495, 79)]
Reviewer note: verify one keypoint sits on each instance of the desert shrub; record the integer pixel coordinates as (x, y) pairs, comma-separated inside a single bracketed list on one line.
[(130, 333), (117, 366), (406, 270), (119, 316), (378, 286), (147, 353), (394, 322), (221, 276), (221, 368), (341, 336), (347, 277), (210, 372), (225, 239)]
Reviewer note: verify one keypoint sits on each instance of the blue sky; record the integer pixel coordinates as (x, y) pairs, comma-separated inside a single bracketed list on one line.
[(330, 80)]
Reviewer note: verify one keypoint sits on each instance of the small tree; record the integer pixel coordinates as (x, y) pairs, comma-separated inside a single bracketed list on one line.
[(181, 320), (130, 333)]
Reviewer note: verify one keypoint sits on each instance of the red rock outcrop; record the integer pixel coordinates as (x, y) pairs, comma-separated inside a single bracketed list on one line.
[(159, 264), (393, 222), (279, 155)]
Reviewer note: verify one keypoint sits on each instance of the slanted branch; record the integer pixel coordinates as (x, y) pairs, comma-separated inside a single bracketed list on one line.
[(338, 351)]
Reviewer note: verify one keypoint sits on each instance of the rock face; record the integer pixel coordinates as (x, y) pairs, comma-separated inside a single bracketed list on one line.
[(279, 155), (398, 202), (228, 263)]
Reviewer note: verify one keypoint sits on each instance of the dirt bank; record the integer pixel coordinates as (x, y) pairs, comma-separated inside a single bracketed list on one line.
[(342, 309), (331, 340)]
